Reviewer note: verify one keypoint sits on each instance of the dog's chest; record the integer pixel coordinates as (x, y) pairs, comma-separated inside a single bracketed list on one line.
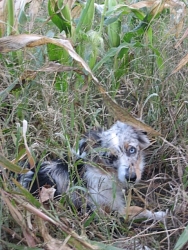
[(101, 185), (104, 190)]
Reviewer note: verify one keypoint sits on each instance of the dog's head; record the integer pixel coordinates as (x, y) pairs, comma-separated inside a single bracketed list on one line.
[(118, 150)]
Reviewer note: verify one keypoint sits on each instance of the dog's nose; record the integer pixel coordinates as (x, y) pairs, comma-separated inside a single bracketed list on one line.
[(130, 177)]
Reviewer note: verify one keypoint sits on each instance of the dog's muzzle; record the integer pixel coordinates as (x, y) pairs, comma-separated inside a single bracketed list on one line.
[(130, 177)]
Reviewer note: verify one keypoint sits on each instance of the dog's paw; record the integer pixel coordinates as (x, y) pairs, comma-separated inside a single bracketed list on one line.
[(160, 215), (140, 213)]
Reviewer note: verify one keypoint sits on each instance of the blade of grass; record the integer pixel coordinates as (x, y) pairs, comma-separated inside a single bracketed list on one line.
[(10, 21), (183, 239), (4, 93), (11, 166), (86, 19)]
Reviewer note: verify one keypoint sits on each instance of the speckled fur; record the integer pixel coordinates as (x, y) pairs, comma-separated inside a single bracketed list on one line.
[(111, 158)]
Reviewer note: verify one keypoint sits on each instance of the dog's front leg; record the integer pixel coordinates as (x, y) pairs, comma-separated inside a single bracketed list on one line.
[(135, 212)]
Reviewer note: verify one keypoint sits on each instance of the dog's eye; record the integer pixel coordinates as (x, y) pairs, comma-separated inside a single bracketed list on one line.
[(112, 158), (132, 150)]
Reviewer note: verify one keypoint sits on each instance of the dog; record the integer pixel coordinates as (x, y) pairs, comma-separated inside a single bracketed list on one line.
[(107, 161)]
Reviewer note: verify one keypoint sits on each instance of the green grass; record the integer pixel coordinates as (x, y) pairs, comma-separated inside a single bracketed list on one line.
[(60, 107)]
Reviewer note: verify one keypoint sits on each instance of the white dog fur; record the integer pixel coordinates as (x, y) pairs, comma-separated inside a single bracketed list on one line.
[(107, 161)]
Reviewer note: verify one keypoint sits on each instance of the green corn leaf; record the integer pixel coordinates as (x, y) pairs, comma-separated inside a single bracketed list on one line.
[(141, 28), (114, 29), (112, 19), (150, 35), (10, 21), (93, 48), (183, 239), (54, 17), (55, 53), (139, 31), (22, 18), (139, 14), (61, 82), (159, 59), (123, 9), (111, 53), (86, 18), (60, 15), (66, 16)]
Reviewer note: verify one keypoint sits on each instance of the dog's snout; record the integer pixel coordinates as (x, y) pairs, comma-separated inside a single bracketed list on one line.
[(131, 177)]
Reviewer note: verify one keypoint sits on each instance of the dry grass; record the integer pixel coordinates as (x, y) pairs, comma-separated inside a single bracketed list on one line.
[(56, 121)]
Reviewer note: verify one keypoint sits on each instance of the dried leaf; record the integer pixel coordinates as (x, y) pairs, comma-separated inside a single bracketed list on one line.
[(11, 43), (179, 28), (158, 7), (70, 3), (34, 7), (123, 115), (76, 11), (53, 243), (18, 217), (19, 5), (177, 9), (57, 67), (15, 213), (28, 75), (181, 39), (49, 241), (47, 194), (143, 4), (182, 63), (3, 16), (16, 42)]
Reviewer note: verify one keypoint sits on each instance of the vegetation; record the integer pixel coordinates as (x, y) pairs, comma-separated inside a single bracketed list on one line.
[(137, 54)]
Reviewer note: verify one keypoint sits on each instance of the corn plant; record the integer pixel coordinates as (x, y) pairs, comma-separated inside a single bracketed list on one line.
[(102, 35), (127, 28)]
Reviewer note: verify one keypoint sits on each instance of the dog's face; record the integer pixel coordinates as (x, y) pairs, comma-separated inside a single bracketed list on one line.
[(117, 150)]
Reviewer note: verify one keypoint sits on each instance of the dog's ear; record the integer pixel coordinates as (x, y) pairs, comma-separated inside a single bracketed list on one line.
[(92, 139), (143, 139)]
